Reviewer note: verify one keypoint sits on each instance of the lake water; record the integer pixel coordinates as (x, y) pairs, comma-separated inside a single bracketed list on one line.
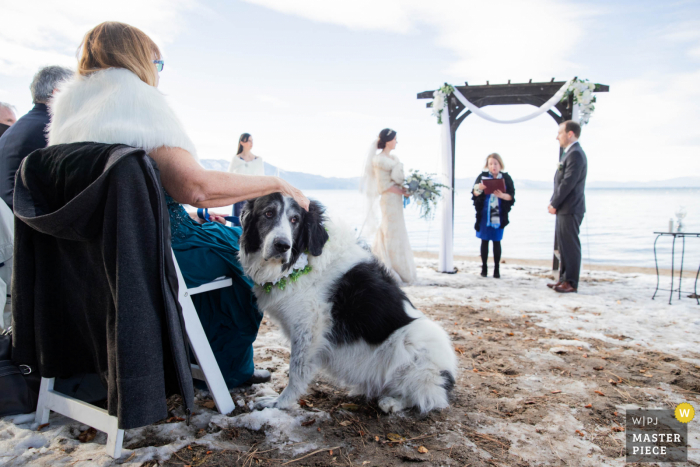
[(618, 227)]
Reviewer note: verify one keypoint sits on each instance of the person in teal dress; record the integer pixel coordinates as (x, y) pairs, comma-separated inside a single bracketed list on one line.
[(230, 315), (114, 98)]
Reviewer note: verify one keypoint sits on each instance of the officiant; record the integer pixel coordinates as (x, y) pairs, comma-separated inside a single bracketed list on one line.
[(493, 196)]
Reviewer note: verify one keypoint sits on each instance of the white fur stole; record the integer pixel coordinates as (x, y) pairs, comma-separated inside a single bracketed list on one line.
[(115, 106)]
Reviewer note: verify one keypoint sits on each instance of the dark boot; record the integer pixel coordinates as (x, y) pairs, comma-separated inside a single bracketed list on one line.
[(484, 257), (496, 259)]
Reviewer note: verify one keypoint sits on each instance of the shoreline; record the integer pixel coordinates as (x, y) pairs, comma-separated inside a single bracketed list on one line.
[(687, 274)]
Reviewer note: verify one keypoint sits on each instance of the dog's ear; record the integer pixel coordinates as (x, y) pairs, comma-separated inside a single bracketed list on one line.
[(251, 236), (316, 235)]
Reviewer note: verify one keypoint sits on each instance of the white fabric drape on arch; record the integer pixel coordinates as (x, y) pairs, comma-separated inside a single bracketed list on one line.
[(445, 258)]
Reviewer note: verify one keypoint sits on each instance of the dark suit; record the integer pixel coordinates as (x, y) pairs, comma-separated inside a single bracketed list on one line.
[(21, 139), (570, 202)]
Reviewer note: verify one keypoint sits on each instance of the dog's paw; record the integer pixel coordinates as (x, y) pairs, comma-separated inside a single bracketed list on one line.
[(390, 404), (269, 402)]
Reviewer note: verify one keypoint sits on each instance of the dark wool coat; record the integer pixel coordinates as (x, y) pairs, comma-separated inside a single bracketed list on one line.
[(95, 287), (481, 199), (570, 182), (24, 137)]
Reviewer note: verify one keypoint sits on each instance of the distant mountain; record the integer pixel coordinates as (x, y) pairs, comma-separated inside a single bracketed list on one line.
[(680, 182), (301, 180), (306, 181)]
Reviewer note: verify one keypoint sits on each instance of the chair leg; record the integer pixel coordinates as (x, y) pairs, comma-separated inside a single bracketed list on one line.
[(202, 350), (115, 439), (42, 411), (81, 412)]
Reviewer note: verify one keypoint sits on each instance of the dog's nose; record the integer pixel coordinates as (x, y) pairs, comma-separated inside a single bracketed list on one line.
[(281, 245)]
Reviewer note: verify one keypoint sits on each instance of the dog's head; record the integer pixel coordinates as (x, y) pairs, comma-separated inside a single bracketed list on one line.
[(277, 230)]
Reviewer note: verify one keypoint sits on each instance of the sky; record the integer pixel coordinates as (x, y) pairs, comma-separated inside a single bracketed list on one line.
[(315, 81)]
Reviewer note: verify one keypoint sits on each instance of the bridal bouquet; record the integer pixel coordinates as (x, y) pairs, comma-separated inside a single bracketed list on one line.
[(424, 191)]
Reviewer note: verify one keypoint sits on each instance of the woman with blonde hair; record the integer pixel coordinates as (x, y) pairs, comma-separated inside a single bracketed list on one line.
[(492, 211), (114, 99)]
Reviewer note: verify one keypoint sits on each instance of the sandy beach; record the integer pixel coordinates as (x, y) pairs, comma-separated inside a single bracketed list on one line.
[(689, 271), (545, 379)]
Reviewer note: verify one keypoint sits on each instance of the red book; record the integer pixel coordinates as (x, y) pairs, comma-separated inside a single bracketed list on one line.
[(493, 185)]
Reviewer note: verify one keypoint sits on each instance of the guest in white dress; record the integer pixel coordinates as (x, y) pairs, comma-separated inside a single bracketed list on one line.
[(245, 163), (383, 180)]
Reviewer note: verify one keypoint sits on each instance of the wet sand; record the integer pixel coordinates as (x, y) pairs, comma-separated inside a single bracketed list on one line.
[(689, 273)]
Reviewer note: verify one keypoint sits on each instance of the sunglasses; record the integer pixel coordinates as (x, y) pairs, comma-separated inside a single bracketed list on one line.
[(159, 65)]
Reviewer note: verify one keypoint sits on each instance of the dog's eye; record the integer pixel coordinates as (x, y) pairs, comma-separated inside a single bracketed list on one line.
[(294, 220), (268, 214)]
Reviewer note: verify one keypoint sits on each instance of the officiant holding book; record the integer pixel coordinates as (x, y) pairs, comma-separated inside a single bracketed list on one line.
[(493, 196)]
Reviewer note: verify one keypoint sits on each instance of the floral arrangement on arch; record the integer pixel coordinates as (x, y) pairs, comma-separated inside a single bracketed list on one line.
[(582, 91), (439, 97), (424, 191)]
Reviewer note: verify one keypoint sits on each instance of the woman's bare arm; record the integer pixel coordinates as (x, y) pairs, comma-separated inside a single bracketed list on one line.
[(189, 183)]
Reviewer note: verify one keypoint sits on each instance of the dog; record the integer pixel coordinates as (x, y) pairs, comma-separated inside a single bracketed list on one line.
[(342, 310)]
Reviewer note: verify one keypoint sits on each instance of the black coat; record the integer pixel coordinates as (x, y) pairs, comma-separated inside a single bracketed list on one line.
[(570, 182), (481, 199), (95, 288), (24, 137)]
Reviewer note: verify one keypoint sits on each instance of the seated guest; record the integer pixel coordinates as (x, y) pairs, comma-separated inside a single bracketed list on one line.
[(114, 99), (492, 211), (29, 133), (7, 117), (245, 163)]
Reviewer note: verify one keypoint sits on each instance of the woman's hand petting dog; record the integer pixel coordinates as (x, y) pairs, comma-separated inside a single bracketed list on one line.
[(296, 194)]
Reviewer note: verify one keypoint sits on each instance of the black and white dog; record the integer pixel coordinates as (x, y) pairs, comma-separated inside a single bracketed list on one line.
[(342, 312)]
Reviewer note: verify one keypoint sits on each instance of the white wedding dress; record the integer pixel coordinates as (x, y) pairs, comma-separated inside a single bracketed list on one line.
[(391, 243)]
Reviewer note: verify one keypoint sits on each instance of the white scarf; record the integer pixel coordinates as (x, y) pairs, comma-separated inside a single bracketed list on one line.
[(115, 106)]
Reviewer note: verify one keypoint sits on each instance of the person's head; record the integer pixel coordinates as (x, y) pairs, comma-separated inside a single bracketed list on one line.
[(494, 164), (245, 143), (387, 139), (7, 114), (569, 133), (45, 82), (118, 45)]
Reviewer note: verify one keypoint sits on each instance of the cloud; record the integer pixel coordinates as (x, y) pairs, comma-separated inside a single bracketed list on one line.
[(34, 34), (684, 33), (491, 40), (273, 101), (391, 15)]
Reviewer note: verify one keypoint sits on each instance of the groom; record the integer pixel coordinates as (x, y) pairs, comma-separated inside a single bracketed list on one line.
[(569, 204)]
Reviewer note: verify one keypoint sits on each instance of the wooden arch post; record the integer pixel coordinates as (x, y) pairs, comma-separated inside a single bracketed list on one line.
[(501, 94)]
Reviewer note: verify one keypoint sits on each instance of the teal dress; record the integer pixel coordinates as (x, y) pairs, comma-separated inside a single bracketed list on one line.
[(230, 316)]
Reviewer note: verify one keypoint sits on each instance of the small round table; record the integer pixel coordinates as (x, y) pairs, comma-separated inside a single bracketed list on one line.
[(675, 235)]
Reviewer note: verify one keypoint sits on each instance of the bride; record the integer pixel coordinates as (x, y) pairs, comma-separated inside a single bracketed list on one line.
[(382, 180)]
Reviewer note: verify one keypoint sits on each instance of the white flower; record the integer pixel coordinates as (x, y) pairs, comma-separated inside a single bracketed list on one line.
[(591, 86), (439, 100), (587, 96)]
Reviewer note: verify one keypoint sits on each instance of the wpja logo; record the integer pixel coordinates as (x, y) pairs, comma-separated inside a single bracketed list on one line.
[(658, 435)]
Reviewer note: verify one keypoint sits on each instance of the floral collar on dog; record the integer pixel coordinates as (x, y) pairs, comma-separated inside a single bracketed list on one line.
[(300, 268)]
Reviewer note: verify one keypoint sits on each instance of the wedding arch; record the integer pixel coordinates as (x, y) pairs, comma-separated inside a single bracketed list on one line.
[(562, 100)]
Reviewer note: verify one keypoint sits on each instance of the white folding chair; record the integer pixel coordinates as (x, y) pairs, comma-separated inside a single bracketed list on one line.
[(206, 370)]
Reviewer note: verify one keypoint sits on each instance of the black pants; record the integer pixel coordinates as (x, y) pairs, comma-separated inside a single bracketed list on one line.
[(485, 252), (567, 231)]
